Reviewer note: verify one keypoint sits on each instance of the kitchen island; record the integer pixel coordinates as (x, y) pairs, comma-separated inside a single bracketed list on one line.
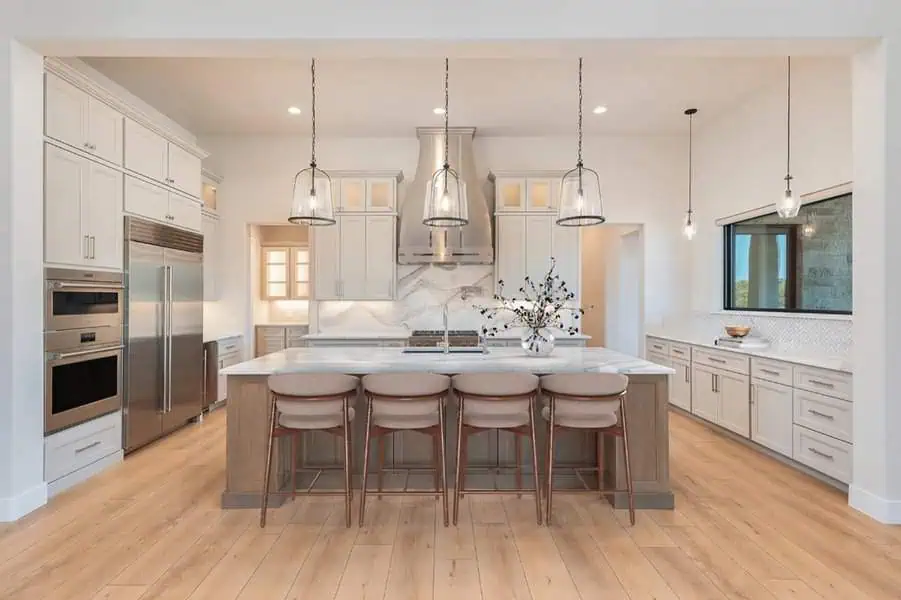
[(648, 395)]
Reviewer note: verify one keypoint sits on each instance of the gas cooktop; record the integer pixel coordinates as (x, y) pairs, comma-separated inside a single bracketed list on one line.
[(433, 337)]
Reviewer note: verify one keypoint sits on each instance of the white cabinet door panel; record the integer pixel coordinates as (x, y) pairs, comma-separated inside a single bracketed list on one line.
[(103, 210), (325, 262), (704, 398), (66, 112), (105, 132), (146, 200), (539, 247), (184, 171), (510, 260), (352, 284), (146, 152), (680, 385), (379, 257), (65, 238), (567, 250), (735, 402), (210, 230), (184, 212), (771, 416)]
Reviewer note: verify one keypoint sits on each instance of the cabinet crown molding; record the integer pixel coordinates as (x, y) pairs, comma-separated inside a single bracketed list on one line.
[(542, 174), (83, 82), (214, 177)]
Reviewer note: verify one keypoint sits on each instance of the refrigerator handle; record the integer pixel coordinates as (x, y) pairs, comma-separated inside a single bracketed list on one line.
[(203, 385), (165, 311), (169, 341)]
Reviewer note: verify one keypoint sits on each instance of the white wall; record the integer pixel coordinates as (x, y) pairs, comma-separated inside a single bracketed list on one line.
[(641, 176)]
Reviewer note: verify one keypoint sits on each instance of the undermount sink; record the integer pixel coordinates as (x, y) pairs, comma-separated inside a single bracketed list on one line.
[(440, 350)]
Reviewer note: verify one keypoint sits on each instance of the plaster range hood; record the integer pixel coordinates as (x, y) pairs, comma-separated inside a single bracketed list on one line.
[(421, 244)]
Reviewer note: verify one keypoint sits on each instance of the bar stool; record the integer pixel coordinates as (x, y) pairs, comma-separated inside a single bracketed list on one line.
[(587, 402), (310, 402), (500, 401), (406, 402)]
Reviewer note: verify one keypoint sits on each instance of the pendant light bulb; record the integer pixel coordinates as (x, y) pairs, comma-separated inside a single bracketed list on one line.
[(311, 202), (689, 228)]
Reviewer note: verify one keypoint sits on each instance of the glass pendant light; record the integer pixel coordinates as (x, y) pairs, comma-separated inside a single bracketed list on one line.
[(689, 229), (446, 202), (312, 203), (789, 205), (580, 189)]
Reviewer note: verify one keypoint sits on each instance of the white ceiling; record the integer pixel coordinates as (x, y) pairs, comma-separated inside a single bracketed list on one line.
[(392, 96)]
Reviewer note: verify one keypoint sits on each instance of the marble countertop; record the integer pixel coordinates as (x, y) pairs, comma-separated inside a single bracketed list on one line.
[(402, 334), (361, 361), (833, 363), (282, 324)]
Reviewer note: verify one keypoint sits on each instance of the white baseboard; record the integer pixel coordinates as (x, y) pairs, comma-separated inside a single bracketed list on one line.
[(884, 511), (16, 507)]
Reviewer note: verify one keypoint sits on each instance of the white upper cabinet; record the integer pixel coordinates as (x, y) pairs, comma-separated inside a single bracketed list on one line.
[(539, 248), (380, 194), (326, 269), (567, 249), (149, 200), (83, 211), (151, 155), (352, 284), (510, 264), (146, 152), (380, 274), (184, 212), (81, 121), (361, 192), (526, 191)]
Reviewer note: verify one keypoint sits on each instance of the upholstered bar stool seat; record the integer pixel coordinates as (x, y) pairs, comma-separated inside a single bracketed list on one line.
[(405, 402), (495, 401), (310, 402), (587, 401)]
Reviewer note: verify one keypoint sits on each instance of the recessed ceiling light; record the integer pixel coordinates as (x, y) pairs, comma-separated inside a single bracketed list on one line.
[(293, 110), (599, 110), (438, 111)]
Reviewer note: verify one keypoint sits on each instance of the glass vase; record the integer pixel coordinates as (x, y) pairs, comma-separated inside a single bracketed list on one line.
[(537, 342)]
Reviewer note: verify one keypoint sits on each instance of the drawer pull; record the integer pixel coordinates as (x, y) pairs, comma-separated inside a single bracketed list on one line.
[(821, 454), (824, 384), (716, 360), (88, 447), (657, 346), (817, 413), (232, 347), (677, 351), (770, 372)]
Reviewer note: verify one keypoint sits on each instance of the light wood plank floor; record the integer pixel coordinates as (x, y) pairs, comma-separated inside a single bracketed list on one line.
[(745, 527)]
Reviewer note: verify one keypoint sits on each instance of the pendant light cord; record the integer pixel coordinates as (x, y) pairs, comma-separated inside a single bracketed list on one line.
[(579, 161), (313, 111), (788, 145), (446, 100), (691, 117)]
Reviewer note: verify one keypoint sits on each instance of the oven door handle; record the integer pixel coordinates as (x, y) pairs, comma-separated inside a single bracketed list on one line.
[(65, 355), (61, 285)]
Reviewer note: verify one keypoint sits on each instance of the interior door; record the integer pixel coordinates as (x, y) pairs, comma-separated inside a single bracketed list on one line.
[(186, 331), (144, 363)]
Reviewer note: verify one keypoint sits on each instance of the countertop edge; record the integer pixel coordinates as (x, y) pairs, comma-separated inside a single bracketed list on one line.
[(769, 354)]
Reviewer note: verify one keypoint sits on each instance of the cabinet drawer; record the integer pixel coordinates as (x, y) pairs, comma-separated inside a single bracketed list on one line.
[(79, 446), (823, 453), (721, 360), (830, 416), (229, 345), (658, 345), (771, 370), (680, 351), (658, 358), (823, 381)]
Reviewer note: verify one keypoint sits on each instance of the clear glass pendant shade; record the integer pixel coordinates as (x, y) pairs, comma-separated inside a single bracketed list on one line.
[(689, 229), (580, 199), (446, 203), (312, 199), (789, 205)]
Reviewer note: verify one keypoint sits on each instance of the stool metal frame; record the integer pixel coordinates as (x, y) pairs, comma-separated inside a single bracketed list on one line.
[(463, 433), (278, 431), (620, 430), (436, 431)]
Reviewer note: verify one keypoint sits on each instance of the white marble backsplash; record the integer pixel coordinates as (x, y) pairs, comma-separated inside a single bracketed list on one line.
[(825, 336), (421, 292)]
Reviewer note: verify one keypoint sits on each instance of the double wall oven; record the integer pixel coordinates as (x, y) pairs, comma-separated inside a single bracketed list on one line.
[(83, 346)]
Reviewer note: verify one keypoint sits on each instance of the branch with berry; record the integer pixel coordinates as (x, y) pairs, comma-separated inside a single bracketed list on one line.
[(540, 304)]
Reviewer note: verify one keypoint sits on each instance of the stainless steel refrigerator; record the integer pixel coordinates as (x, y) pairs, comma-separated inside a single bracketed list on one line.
[(163, 329)]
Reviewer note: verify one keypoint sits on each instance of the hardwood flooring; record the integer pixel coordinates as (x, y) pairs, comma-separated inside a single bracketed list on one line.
[(745, 527)]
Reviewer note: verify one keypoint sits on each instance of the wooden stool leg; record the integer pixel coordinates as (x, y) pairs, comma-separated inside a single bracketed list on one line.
[(535, 460), (436, 460), (366, 444), (550, 460), (517, 452), (294, 466), (443, 462), (264, 504), (347, 466), (622, 409), (458, 479), (381, 460)]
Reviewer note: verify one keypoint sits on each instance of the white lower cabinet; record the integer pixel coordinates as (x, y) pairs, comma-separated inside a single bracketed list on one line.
[(680, 385), (771, 416), (823, 453), (735, 402), (210, 231), (704, 397), (75, 454)]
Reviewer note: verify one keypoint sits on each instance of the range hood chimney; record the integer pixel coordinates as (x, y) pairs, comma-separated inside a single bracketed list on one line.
[(420, 244)]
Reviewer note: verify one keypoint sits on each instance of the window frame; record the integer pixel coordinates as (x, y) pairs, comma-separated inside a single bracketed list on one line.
[(791, 268)]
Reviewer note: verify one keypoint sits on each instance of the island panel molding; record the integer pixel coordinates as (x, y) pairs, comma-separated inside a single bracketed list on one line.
[(249, 405)]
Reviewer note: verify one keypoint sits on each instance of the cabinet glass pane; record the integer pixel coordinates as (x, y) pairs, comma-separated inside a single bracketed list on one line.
[(209, 196), (539, 194), (353, 195), (302, 289), (511, 195), (302, 255), (275, 290), (276, 273), (380, 194), (302, 272), (277, 257)]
